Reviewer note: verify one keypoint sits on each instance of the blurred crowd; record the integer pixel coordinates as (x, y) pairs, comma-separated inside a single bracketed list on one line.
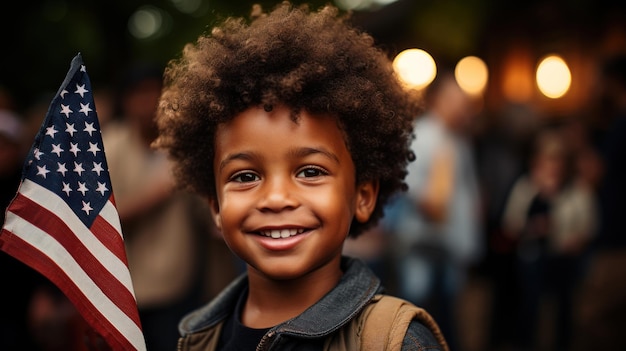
[(511, 234)]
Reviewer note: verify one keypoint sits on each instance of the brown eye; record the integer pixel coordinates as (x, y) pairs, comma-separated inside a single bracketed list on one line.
[(245, 177), (311, 172)]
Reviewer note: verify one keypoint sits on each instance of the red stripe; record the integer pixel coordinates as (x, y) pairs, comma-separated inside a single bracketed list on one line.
[(48, 222), (109, 237), (34, 258)]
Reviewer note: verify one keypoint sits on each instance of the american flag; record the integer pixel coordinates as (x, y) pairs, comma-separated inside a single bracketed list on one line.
[(63, 221)]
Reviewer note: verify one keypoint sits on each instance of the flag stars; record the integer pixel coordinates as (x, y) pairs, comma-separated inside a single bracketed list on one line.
[(89, 128), (74, 149), (65, 109), (87, 207), (82, 188), (80, 89), (56, 149), (78, 168), (97, 167), (93, 148), (102, 188), (70, 129), (61, 168), (66, 188), (51, 131), (84, 108), (37, 153), (42, 171), (63, 93)]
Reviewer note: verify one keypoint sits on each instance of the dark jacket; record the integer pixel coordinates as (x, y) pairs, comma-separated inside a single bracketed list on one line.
[(311, 330)]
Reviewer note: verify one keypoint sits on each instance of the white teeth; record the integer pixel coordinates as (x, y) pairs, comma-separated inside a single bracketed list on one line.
[(281, 233)]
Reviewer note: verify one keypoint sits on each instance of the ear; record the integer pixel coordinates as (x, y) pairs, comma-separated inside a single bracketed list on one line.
[(215, 212), (366, 196)]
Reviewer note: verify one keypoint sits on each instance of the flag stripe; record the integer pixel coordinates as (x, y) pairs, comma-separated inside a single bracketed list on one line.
[(46, 221), (109, 237), (58, 207), (38, 260), (108, 230)]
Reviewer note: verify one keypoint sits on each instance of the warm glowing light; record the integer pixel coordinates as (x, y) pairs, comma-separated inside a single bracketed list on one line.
[(553, 77), (471, 74), (415, 67), (517, 81)]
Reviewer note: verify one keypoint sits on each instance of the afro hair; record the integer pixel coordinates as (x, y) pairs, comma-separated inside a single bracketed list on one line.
[(307, 60)]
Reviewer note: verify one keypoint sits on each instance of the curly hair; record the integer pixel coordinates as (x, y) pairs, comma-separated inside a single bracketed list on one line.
[(293, 56)]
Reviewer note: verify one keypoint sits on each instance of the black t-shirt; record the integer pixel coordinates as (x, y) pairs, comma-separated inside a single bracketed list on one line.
[(236, 336)]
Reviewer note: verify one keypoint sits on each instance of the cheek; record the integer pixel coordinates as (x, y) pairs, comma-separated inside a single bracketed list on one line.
[(234, 209), (230, 218), (229, 211), (338, 203)]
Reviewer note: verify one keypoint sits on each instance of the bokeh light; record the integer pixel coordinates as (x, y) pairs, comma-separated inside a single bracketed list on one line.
[(191, 7), (553, 76), (362, 4), (146, 22), (472, 74), (416, 68)]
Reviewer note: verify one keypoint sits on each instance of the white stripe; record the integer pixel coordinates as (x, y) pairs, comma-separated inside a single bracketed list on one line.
[(109, 214), (52, 202), (57, 253)]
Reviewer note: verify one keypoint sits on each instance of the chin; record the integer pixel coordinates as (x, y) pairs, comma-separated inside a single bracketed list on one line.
[(282, 273), (281, 268)]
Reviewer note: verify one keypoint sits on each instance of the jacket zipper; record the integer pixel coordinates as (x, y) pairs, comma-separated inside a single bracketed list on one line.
[(264, 340)]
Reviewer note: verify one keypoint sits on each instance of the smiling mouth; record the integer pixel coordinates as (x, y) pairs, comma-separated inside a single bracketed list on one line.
[(281, 233)]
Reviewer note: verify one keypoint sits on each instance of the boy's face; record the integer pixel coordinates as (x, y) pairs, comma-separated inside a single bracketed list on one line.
[(286, 191)]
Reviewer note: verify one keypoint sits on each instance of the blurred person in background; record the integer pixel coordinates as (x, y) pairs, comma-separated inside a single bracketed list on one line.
[(501, 149), (602, 319), (104, 100), (14, 333), (551, 216), (436, 225), (166, 232), (12, 154)]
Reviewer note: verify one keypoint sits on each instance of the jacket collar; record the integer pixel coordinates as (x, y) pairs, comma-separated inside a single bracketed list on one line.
[(357, 287)]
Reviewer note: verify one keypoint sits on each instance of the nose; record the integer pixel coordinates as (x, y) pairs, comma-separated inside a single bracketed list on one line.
[(278, 193)]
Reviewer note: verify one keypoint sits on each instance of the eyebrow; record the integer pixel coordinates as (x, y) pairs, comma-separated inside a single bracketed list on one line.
[(296, 152), (306, 151), (247, 156)]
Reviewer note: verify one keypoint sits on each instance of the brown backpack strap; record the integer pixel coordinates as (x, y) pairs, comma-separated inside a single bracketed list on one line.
[(387, 320)]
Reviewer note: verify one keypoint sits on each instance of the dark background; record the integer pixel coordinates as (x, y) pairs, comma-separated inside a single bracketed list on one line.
[(39, 38)]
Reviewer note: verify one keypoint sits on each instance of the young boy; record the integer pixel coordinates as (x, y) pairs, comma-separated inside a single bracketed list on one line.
[(295, 129)]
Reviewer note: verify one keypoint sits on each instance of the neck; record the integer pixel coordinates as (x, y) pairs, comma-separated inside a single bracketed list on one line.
[(271, 302)]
